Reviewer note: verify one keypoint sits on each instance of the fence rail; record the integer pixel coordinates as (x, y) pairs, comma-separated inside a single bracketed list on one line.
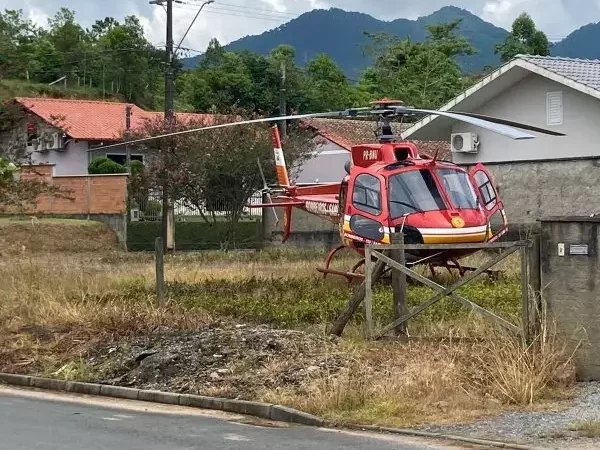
[(149, 208)]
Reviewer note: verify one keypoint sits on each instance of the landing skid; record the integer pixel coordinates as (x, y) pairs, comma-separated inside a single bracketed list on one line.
[(352, 277), (462, 270)]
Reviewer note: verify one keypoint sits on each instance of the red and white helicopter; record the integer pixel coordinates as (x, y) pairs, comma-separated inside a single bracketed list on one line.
[(390, 187)]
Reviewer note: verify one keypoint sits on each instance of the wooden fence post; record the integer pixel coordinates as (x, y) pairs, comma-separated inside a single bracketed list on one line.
[(524, 255), (160, 272), (260, 239), (535, 283), (368, 293), (399, 285), (171, 228)]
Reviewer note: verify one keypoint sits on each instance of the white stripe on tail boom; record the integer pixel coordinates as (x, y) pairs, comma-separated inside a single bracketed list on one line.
[(282, 173)]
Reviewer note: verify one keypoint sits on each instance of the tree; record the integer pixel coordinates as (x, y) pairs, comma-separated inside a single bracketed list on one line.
[(327, 87), (423, 74), (17, 38), (19, 190), (215, 169), (524, 39)]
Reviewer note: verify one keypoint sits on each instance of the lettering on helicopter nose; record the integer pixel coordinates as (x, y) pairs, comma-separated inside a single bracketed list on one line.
[(370, 155), (322, 208)]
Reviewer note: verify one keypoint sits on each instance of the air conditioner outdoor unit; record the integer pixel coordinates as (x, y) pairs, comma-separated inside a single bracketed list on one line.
[(464, 143), (54, 141)]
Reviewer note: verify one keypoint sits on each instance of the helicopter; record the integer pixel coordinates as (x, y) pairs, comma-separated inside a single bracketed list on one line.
[(391, 188)]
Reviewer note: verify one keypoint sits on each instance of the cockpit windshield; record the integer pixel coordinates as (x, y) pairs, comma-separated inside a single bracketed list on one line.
[(459, 188), (414, 191)]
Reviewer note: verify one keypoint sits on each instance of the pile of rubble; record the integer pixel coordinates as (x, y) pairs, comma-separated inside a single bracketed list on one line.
[(234, 361)]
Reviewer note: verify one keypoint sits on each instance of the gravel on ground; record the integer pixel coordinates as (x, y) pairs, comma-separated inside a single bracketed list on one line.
[(541, 429)]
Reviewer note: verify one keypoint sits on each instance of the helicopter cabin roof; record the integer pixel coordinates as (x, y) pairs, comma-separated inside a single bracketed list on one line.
[(349, 132), (582, 75)]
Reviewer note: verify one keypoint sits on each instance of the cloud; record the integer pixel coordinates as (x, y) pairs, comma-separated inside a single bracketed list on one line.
[(232, 19)]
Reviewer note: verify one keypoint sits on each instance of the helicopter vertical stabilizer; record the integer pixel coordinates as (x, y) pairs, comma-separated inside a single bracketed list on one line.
[(282, 173)]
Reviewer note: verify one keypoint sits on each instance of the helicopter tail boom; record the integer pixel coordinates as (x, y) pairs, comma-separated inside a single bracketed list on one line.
[(282, 173)]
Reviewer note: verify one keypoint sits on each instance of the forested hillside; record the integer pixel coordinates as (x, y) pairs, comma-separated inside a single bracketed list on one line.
[(112, 57), (342, 36), (424, 62)]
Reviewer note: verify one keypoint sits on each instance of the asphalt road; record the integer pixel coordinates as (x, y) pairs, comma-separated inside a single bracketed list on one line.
[(32, 420)]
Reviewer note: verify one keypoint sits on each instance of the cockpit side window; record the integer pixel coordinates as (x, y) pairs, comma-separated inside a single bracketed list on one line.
[(366, 195)]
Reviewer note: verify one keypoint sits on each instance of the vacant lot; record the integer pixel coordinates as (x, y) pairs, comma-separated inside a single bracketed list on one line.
[(254, 326)]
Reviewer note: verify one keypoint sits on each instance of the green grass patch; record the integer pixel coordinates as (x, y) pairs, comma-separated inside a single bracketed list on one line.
[(298, 302)]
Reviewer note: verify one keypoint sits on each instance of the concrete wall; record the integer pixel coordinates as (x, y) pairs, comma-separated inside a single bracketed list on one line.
[(531, 190), (571, 287), (307, 231), (526, 102)]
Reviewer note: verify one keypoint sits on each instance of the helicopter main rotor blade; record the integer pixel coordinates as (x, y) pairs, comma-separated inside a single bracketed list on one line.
[(510, 123), (504, 130), (345, 113)]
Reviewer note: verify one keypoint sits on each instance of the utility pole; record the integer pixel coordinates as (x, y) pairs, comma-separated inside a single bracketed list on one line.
[(169, 88), (169, 115), (282, 101), (128, 127)]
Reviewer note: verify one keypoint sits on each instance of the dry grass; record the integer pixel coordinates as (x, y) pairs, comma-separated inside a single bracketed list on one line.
[(589, 428), (404, 385), (55, 308)]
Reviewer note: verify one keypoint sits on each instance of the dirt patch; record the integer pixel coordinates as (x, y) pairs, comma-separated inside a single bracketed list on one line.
[(234, 361), (29, 237)]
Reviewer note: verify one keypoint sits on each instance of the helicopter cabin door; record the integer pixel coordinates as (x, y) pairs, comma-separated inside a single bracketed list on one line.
[(365, 210), (492, 205)]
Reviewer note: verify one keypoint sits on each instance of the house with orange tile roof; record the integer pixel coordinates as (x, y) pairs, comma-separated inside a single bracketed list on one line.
[(77, 127), (64, 132)]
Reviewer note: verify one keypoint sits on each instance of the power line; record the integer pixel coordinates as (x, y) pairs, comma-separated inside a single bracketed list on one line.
[(246, 16)]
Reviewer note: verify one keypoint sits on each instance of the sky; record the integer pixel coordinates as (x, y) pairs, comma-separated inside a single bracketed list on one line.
[(228, 20)]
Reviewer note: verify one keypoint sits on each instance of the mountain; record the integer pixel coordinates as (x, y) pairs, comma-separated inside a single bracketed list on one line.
[(582, 43), (341, 35)]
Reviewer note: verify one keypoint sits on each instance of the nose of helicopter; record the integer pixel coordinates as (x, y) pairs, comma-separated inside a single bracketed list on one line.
[(436, 227)]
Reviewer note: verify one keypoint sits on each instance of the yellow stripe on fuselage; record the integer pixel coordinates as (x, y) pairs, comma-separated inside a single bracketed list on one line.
[(472, 238)]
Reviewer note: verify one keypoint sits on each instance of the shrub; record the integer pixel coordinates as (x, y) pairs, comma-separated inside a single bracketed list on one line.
[(104, 165), (137, 167)]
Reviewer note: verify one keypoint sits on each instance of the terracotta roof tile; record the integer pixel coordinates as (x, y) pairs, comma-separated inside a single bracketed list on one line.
[(95, 120), (349, 132)]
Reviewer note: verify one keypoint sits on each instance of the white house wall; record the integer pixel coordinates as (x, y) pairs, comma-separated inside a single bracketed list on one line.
[(526, 102), (72, 161), (326, 167)]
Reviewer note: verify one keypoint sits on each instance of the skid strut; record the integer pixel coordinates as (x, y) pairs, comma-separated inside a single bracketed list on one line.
[(350, 276)]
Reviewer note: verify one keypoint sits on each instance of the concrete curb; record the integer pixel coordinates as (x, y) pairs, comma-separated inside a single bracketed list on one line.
[(450, 437), (263, 410)]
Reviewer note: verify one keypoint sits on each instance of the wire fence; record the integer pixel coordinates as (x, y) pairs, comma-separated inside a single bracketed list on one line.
[(149, 208)]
